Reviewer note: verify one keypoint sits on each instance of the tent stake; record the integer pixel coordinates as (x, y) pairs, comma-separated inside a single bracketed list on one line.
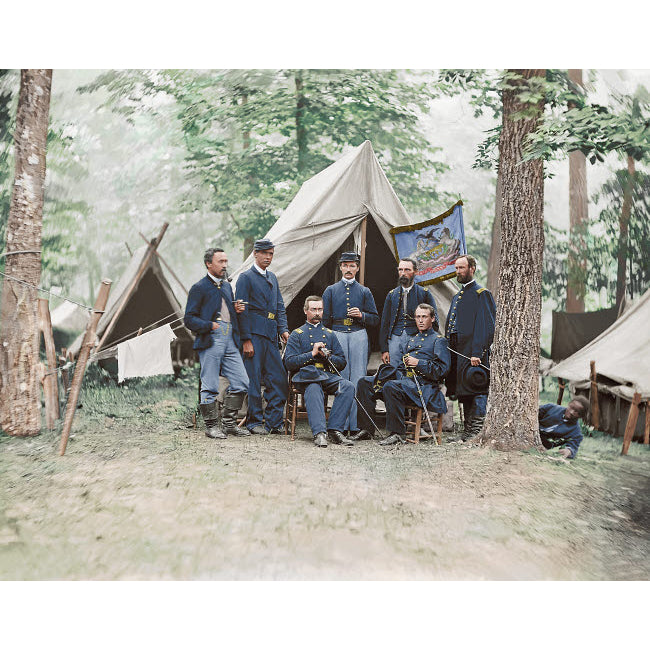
[(82, 359), (631, 423)]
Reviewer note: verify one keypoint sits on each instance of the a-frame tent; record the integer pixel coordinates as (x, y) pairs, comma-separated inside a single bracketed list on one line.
[(350, 205), (143, 298), (622, 362)]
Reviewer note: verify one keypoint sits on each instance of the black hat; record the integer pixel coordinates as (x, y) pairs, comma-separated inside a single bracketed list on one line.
[(263, 245), (476, 378), (384, 373), (349, 256)]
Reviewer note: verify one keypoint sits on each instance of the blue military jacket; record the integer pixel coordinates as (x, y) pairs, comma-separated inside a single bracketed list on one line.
[(339, 297), (203, 308), (298, 357), (392, 316), (556, 431), (264, 314), (432, 353), (471, 316)]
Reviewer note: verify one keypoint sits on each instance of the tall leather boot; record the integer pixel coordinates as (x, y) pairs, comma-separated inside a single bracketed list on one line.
[(210, 417), (231, 404), (477, 425)]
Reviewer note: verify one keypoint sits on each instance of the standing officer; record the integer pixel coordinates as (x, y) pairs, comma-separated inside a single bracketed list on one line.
[(308, 351), (262, 321), (427, 356), (397, 318), (211, 315), (470, 331), (348, 309)]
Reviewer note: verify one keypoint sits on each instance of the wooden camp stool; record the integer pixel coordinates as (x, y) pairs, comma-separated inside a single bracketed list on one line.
[(416, 423), (295, 408)]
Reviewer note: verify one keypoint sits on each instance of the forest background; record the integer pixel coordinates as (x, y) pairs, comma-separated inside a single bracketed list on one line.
[(220, 153)]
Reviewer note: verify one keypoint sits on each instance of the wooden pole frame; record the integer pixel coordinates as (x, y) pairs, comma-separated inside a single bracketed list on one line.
[(50, 382), (82, 359), (646, 430), (631, 423), (593, 397), (169, 268), (561, 386)]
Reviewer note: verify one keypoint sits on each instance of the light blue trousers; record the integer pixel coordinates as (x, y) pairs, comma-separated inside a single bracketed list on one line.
[(355, 348)]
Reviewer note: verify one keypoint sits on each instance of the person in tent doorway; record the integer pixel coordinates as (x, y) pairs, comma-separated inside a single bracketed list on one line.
[(311, 352), (559, 426), (470, 331), (212, 315), (263, 320), (349, 309)]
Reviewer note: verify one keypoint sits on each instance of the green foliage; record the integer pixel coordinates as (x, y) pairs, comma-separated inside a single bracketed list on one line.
[(554, 271), (8, 95), (251, 137), (603, 236)]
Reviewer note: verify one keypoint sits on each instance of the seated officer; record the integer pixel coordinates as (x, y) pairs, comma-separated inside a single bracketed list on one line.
[(427, 357), (310, 350), (559, 427)]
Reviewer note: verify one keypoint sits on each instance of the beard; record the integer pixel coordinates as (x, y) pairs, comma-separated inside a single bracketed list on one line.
[(315, 320), (404, 281)]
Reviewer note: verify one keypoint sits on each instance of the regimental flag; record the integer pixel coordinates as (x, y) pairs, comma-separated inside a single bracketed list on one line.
[(435, 245)]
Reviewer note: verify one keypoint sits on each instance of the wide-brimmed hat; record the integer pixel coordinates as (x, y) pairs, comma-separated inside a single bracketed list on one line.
[(476, 378), (263, 245), (384, 373)]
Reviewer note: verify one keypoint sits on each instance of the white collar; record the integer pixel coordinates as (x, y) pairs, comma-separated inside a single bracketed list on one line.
[(217, 280), (314, 325), (259, 270), (468, 283), (348, 281)]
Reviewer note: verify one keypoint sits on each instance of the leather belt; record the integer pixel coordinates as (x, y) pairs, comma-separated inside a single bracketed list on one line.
[(319, 365), (344, 321), (269, 314)]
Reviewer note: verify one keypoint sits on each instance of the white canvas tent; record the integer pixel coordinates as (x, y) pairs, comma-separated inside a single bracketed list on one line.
[(141, 298), (622, 357), (326, 218)]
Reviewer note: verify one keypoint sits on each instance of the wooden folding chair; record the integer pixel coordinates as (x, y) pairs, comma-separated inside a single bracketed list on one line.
[(416, 423), (295, 408)]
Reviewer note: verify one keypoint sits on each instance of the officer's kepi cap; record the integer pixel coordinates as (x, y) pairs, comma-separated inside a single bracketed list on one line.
[(263, 245), (349, 256)]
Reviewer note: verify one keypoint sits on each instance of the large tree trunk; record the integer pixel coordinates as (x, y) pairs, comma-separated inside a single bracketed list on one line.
[(495, 248), (20, 409), (624, 226), (511, 422), (578, 201), (301, 132)]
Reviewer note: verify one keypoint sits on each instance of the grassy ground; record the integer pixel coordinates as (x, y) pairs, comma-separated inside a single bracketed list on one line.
[(141, 495)]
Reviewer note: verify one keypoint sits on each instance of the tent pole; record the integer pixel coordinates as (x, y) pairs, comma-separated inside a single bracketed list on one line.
[(362, 270), (646, 431), (153, 244), (631, 423), (162, 259), (593, 395)]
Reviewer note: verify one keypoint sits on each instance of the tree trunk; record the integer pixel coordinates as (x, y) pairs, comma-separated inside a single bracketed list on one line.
[(495, 248), (511, 422), (578, 201), (301, 133), (20, 410), (624, 225)]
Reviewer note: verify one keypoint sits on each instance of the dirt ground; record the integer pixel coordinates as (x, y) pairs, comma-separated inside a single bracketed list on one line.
[(141, 496)]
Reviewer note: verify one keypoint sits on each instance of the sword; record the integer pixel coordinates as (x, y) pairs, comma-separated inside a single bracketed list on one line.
[(355, 396), (462, 355), (424, 407)]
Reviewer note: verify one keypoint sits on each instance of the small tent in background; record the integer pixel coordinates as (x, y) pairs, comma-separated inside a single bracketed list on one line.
[(350, 205), (143, 299), (622, 358), (68, 321)]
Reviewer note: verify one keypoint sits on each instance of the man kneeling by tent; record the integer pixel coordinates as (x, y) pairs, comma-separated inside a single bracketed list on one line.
[(559, 427)]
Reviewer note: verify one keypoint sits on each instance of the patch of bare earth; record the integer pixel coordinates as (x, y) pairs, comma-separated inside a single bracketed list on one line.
[(145, 497)]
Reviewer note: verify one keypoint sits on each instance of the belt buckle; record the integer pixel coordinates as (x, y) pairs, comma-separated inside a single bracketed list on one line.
[(271, 316), (319, 365), (347, 322), (410, 373)]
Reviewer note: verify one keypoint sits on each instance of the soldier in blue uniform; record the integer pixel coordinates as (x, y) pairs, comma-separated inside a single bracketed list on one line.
[(470, 331), (559, 427), (308, 350), (427, 356), (263, 320), (212, 316), (348, 309), (397, 318)]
